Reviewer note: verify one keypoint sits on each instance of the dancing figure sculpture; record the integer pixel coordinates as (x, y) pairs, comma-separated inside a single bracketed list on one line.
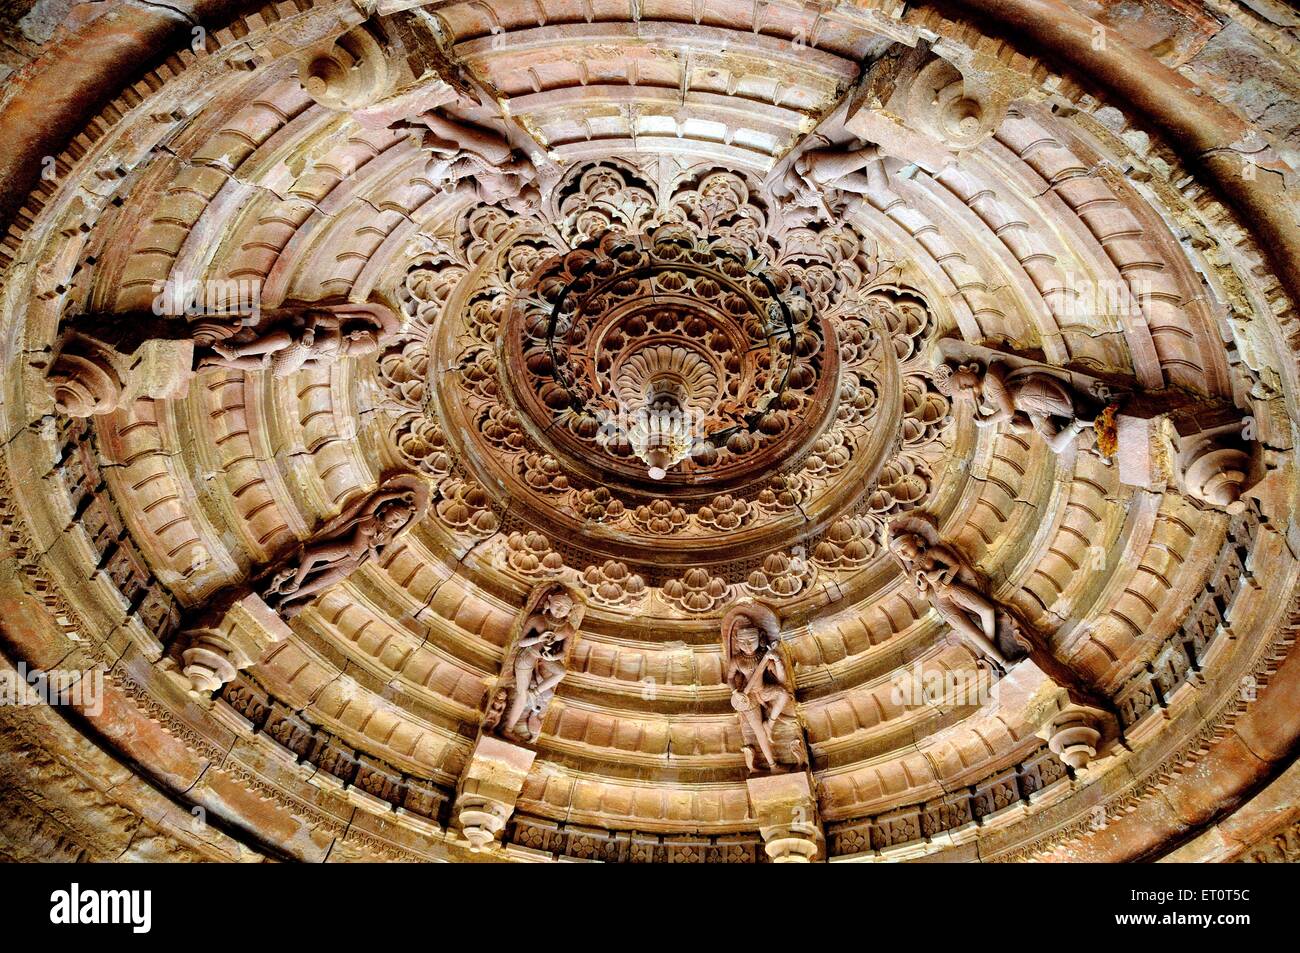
[(538, 663)]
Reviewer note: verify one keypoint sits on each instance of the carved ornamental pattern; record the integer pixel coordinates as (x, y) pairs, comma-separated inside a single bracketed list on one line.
[(532, 353)]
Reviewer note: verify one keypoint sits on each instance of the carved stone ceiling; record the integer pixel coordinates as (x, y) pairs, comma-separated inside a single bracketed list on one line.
[(666, 303)]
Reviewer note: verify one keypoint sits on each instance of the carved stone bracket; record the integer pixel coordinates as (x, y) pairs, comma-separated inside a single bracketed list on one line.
[(1091, 386), (225, 642), (1076, 732), (102, 362), (920, 107), (383, 70), (1200, 449), (98, 368), (234, 629), (787, 816), (489, 787)]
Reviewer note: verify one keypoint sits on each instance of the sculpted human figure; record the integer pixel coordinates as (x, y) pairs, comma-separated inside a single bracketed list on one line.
[(285, 351), (540, 656), (754, 670), (363, 532), (837, 168), (943, 576), (813, 183), (296, 337), (477, 159), (1025, 399)]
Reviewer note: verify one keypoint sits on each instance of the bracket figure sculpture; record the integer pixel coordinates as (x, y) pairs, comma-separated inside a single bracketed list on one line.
[(231, 631), (537, 662), (1200, 446), (362, 533), (762, 691), (820, 181), (102, 362), (955, 592), (299, 337), (1026, 399), (477, 160)]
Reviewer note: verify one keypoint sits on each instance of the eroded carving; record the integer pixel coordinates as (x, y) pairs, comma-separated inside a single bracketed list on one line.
[(477, 160)]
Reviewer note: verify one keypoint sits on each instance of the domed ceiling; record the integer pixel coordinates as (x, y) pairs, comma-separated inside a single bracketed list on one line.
[(650, 431)]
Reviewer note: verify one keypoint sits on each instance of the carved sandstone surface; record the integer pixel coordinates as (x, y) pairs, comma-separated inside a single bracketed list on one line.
[(667, 431)]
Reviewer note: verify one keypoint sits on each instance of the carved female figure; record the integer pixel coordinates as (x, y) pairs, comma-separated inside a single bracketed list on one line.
[(361, 533), (753, 668), (305, 336), (1026, 399), (482, 159), (943, 576), (539, 659)]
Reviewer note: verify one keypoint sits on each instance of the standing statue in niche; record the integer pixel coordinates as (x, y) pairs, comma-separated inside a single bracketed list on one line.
[(538, 662), (949, 583), (361, 533), (1026, 399), (478, 160), (762, 691)]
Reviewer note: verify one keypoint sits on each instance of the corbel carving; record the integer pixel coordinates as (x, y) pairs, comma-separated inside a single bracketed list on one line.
[(103, 362), (99, 365), (921, 107), (1203, 448), (489, 788), (386, 69), (229, 637), (788, 820)]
